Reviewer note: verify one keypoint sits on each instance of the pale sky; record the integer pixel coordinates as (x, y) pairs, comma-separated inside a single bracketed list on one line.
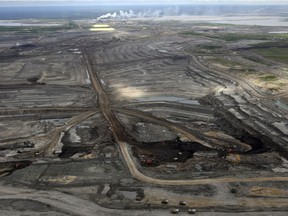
[(132, 2)]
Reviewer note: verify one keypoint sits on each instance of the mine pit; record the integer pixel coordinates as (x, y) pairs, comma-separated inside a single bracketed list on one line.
[(120, 115), (156, 153)]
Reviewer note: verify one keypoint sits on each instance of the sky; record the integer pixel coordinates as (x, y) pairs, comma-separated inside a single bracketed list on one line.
[(144, 2)]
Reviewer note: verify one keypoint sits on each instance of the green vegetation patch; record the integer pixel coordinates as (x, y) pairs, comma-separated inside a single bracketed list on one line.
[(257, 60), (237, 37), (280, 44), (243, 70), (234, 66), (281, 36), (274, 53), (269, 77)]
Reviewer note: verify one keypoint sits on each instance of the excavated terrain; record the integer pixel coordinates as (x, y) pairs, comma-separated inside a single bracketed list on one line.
[(115, 123)]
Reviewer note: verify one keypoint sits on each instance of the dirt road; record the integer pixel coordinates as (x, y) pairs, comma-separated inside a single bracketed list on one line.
[(51, 139)]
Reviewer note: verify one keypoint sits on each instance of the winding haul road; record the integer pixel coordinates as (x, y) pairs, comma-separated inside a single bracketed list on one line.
[(66, 203), (120, 138), (72, 205)]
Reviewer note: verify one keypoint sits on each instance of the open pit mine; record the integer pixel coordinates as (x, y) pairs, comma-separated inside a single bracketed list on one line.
[(143, 117)]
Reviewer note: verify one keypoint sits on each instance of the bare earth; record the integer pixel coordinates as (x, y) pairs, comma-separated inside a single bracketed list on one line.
[(114, 122)]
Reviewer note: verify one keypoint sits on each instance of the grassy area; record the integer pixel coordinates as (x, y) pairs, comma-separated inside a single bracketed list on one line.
[(244, 70), (280, 36), (237, 37), (281, 44), (207, 48), (257, 60), (274, 53), (38, 29), (234, 66), (268, 78), (231, 36), (270, 81)]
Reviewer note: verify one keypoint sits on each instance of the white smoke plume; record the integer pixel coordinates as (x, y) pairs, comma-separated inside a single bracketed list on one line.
[(172, 11), (108, 16), (119, 15)]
